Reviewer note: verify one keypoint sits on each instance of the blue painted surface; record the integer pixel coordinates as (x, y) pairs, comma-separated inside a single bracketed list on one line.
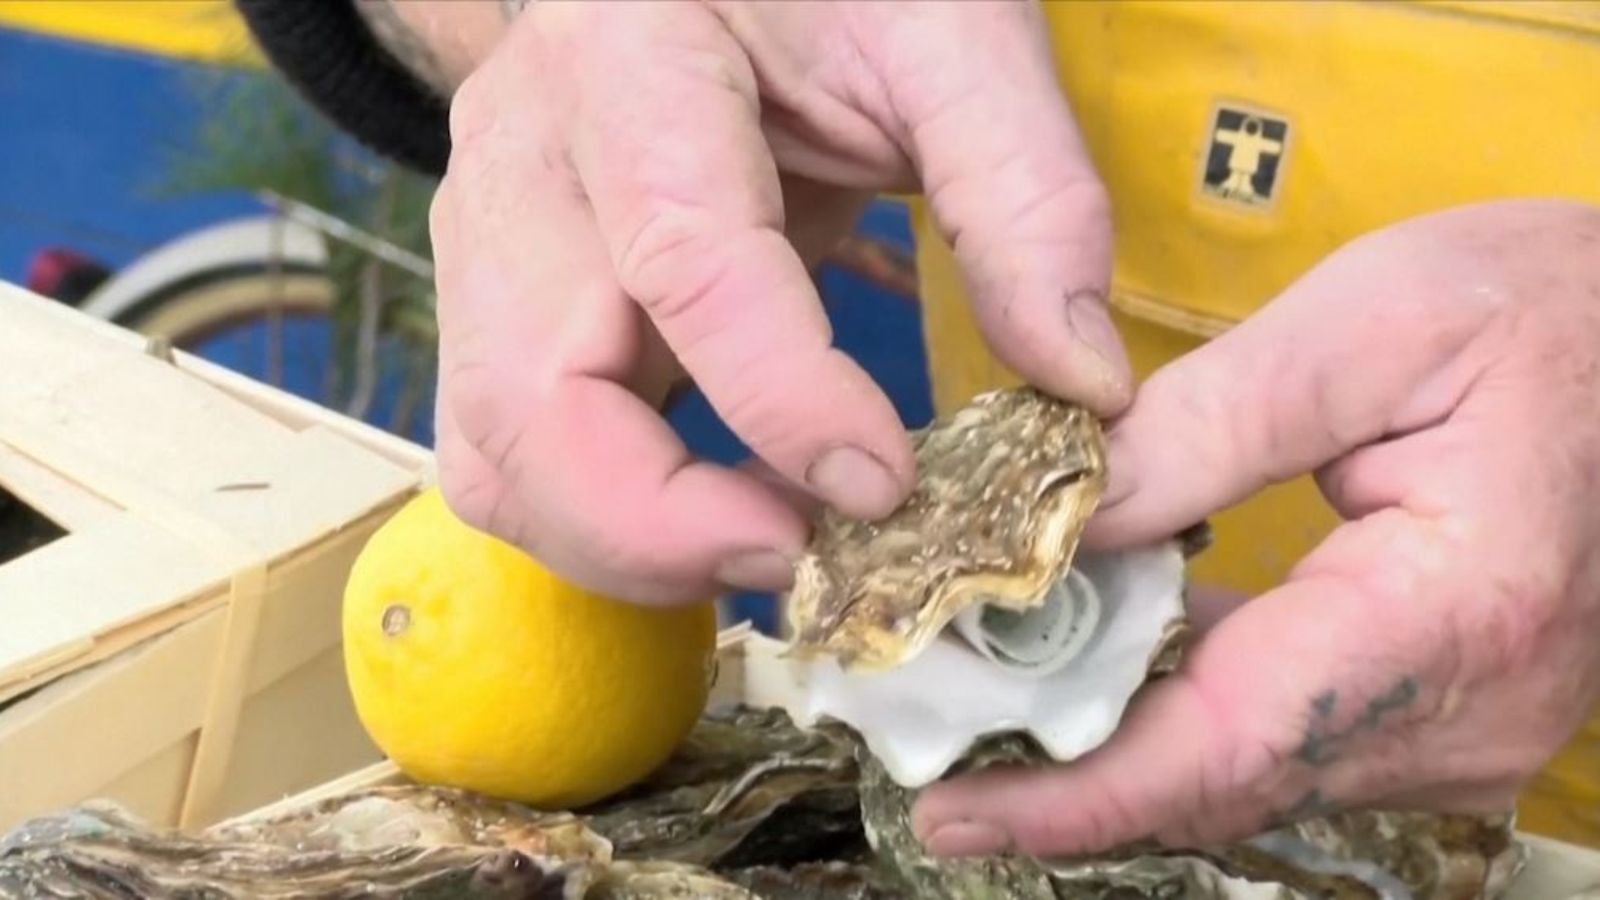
[(90, 130), (87, 134)]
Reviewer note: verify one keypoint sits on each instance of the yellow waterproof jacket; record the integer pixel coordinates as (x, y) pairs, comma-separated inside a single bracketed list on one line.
[(1243, 142)]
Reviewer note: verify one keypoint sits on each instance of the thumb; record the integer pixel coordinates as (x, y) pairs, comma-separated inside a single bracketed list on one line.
[(1218, 750), (1012, 189)]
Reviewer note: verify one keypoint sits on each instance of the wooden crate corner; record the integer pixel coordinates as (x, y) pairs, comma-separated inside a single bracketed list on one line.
[(177, 649)]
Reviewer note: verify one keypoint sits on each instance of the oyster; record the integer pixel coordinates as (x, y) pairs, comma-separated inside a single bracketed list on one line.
[(361, 845), (746, 788), (746, 799), (1350, 856), (969, 612), (1004, 489), (835, 880)]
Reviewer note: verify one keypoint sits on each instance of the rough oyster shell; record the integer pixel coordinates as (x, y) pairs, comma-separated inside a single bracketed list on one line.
[(748, 799), (1004, 488), (968, 612), (1351, 856), (733, 816)]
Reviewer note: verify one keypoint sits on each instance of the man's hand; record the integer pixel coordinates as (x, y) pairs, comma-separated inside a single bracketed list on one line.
[(634, 193), (1442, 379)]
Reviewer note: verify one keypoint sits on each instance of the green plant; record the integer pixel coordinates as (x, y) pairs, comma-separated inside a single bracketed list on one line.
[(258, 136)]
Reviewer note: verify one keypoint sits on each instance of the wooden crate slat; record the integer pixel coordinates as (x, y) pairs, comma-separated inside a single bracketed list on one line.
[(300, 623), (316, 485), (152, 424), (179, 647), (50, 493), (54, 745), (295, 731), (230, 668), (76, 591), (296, 413), (154, 786)]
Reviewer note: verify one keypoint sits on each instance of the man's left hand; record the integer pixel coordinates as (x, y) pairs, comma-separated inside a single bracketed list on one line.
[(1441, 378)]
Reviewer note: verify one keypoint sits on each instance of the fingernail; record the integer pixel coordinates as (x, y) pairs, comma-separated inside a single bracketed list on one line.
[(854, 483), (966, 839), (1091, 322), (756, 570)]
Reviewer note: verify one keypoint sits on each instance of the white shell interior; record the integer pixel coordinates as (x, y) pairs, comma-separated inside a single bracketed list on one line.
[(1066, 678), (1038, 641)]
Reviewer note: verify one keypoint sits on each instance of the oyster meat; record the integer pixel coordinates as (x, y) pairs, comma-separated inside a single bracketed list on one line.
[(969, 611)]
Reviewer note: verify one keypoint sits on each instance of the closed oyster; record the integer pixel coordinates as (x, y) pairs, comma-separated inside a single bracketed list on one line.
[(969, 612), (402, 844), (807, 881), (748, 798), (1363, 855), (746, 788)]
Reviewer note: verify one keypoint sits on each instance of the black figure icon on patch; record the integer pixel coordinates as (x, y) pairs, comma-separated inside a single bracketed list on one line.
[(1245, 156)]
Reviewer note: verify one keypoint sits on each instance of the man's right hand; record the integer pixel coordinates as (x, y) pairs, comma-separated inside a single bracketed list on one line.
[(634, 195)]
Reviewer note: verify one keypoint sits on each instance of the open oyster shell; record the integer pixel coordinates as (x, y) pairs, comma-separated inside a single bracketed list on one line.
[(969, 612)]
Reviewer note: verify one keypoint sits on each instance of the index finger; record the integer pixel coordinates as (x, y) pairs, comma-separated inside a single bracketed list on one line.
[(543, 443), (687, 197)]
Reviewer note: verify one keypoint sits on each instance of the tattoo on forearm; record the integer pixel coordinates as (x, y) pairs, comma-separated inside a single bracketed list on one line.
[(404, 44), (1323, 743)]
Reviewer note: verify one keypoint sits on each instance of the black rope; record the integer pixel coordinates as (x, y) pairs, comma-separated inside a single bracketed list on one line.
[(324, 49)]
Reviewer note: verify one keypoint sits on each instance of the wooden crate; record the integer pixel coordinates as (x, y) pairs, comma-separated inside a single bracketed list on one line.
[(178, 649), (751, 669)]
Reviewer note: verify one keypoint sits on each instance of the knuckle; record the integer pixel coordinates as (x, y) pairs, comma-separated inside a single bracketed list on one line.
[(680, 276), (441, 226), (1512, 627), (474, 106), (577, 24), (470, 497), (1180, 836), (619, 545), (753, 407), (496, 423), (665, 242), (1522, 759), (1060, 204), (484, 502), (1092, 823), (1208, 830)]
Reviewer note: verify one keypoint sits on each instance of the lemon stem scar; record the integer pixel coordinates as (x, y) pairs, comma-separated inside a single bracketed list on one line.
[(396, 619)]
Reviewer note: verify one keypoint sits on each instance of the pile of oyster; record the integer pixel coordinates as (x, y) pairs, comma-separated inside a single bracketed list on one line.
[(963, 630)]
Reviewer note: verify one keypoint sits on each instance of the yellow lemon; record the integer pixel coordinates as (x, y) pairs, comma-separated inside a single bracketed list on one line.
[(473, 666)]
